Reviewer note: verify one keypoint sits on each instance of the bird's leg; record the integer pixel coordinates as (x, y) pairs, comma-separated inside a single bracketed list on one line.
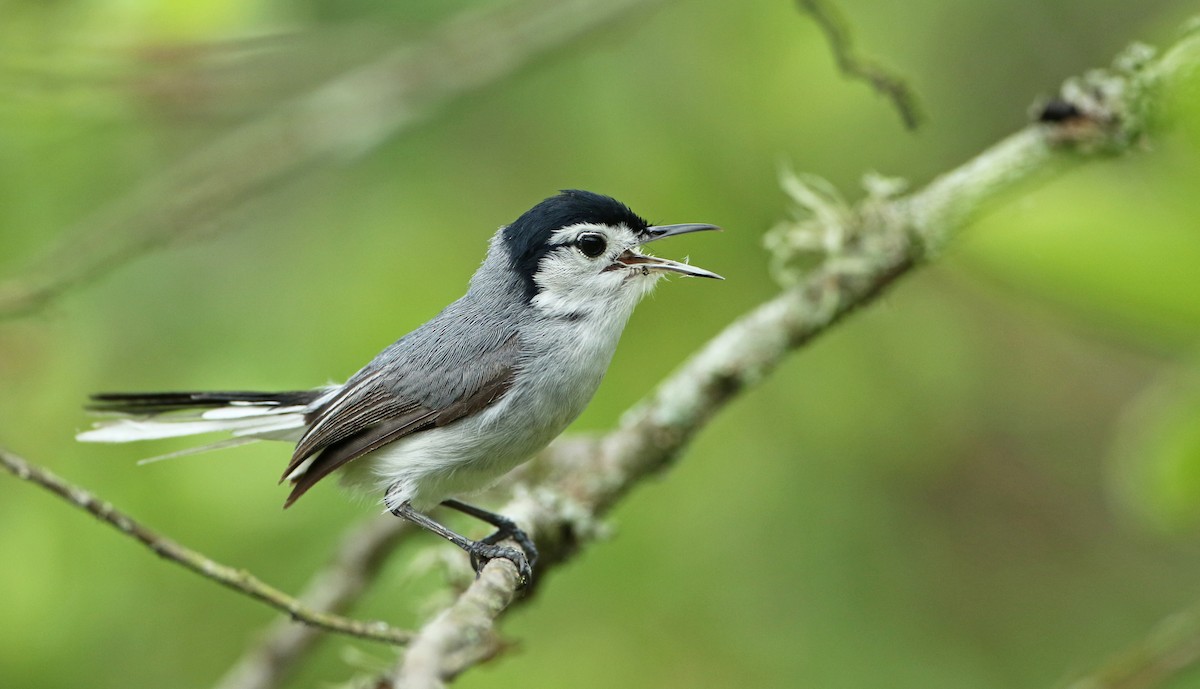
[(505, 528), (480, 551)]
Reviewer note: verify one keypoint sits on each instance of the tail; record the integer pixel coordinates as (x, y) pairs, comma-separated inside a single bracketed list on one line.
[(246, 416)]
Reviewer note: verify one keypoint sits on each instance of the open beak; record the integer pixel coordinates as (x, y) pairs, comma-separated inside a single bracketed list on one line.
[(657, 232)]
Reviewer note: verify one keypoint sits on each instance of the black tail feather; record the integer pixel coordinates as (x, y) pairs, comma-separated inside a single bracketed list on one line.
[(161, 402)]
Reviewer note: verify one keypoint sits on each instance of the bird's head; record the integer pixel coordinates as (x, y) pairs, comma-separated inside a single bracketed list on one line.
[(579, 251)]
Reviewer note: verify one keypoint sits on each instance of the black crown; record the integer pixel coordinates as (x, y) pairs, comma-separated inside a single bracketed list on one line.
[(527, 239)]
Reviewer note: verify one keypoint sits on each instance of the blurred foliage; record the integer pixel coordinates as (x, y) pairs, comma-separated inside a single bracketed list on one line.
[(990, 479), (1157, 455)]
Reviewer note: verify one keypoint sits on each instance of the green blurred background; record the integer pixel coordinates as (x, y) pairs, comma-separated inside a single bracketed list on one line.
[(989, 479)]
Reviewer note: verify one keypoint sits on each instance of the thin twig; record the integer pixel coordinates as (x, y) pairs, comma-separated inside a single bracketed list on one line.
[(841, 44), (236, 579)]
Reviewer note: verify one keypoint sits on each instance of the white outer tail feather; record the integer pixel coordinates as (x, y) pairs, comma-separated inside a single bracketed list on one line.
[(245, 424)]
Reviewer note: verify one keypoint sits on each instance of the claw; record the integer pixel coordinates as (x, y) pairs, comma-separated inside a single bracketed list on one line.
[(507, 531), (482, 553)]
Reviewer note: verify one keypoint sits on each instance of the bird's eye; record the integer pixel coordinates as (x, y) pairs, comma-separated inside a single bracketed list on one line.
[(591, 244)]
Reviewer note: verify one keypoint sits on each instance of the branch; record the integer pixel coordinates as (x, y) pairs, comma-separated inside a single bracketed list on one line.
[(341, 119), (238, 580), (858, 253), (841, 44)]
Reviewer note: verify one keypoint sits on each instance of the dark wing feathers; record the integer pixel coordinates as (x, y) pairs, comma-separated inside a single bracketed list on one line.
[(356, 407), (488, 393), (379, 405), (356, 445)]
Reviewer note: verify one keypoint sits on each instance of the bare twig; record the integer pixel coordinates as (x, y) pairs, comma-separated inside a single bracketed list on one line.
[(339, 120), (853, 65), (238, 580), (864, 250)]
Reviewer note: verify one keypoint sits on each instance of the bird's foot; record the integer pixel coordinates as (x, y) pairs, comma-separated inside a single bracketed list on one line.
[(511, 530), (484, 551)]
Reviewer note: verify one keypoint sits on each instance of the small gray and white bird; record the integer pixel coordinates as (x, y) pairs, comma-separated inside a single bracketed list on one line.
[(455, 404)]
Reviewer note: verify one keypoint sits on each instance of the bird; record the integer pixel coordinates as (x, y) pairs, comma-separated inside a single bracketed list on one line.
[(454, 405)]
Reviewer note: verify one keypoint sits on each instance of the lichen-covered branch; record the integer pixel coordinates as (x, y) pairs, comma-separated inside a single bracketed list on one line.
[(338, 120), (462, 635), (236, 579), (832, 259)]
